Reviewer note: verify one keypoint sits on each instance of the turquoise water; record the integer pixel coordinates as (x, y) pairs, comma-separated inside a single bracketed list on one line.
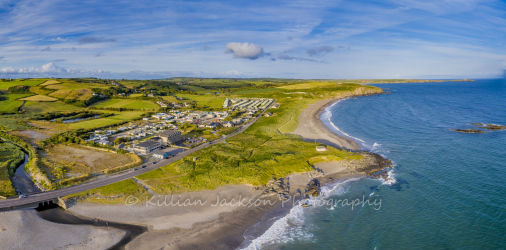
[(448, 189)]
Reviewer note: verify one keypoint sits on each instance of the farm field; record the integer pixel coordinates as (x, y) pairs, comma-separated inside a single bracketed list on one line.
[(211, 101), (38, 98), (30, 82), (42, 107), (49, 82), (74, 85), (40, 90), (119, 117), (170, 98), (72, 94), (11, 104), (127, 104)]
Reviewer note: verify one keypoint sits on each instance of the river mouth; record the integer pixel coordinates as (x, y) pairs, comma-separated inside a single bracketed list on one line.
[(53, 213), (58, 215)]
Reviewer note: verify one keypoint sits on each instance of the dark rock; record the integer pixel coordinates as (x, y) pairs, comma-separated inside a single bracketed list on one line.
[(313, 188), (471, 131)]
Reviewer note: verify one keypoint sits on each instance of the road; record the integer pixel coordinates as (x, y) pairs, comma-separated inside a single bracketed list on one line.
[(35, 198)]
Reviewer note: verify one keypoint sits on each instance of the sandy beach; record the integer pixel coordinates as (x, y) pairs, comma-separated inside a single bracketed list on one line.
[(24, 229), (311, 128)]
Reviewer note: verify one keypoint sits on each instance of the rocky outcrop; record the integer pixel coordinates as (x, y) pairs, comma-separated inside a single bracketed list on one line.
[(313, 188), (369, 164), (493, 127), (470, 131), (276, 187), (481, 126)]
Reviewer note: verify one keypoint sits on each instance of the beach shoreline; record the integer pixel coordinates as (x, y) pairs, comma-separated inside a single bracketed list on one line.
[(229, 226)]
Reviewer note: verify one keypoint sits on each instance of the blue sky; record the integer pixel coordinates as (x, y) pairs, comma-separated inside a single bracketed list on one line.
[(288, 39)]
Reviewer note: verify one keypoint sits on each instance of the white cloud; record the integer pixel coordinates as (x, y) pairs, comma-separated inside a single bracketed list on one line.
[(245, 50)]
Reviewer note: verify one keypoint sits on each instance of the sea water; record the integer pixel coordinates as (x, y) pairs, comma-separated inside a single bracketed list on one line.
[(446, 191)]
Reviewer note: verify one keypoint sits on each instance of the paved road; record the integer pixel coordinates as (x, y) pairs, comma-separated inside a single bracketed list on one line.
[(35, 198)]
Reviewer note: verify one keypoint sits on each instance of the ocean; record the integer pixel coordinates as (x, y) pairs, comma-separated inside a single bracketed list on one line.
[(446, 191)]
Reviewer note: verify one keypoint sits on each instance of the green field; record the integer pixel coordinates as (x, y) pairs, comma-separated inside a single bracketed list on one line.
[(11, 105), (211, 101), (75, 85), (10, 156), (72, 94), (170, 98), (119, 117), (38, 98), (127, 104), (30, 82), (42, 107), (40, 90)]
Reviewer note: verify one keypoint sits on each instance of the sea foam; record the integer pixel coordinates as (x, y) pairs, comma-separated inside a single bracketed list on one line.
[(291, 227)]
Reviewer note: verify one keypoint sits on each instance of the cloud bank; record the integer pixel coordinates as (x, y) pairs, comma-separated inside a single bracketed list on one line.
[(245, 50), (49, 68)]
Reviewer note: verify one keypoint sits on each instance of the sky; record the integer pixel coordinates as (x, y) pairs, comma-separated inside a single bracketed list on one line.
[(317, 39)]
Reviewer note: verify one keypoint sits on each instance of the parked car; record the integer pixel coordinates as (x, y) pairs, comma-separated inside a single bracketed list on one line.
[(154, 162), (22, 196), (144, 166)]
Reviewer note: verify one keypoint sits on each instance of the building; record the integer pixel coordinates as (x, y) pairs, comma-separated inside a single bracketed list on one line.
[(228, 124), (160, 154), (321, 148), (170, 137), (212, 125), (146, 147)]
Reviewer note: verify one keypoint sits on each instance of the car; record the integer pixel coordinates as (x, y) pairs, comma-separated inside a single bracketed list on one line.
[(154, 162), (22, 196), (144, 166), (136, 169)]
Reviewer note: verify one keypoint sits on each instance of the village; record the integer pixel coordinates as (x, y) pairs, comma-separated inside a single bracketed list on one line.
[(165, 134)]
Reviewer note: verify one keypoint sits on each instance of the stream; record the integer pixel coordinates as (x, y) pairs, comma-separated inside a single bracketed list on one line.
[(25, 186), (21, 180)]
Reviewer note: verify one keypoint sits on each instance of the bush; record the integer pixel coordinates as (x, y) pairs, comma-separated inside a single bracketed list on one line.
[(20, 89)]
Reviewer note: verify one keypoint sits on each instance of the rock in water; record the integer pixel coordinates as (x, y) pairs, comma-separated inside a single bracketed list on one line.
[(313, 188)]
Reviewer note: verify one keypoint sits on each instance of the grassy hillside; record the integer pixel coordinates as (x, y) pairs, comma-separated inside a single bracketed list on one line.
[(43, 107), (211, 101), (28, 82), (12, 103), (38, 98), (119, 117), (127, 104)]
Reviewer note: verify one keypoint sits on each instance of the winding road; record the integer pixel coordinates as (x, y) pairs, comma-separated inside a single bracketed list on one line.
[(49, 195)]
